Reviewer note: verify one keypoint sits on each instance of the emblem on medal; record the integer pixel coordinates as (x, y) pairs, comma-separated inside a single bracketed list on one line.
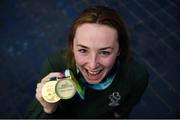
[(65, 88), (48, 92), (60, 88)]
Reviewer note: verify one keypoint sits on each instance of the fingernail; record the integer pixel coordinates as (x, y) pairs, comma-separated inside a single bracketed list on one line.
[(61, 74)]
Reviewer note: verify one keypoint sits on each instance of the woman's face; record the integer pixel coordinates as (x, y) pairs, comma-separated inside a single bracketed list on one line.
[(95, 49)]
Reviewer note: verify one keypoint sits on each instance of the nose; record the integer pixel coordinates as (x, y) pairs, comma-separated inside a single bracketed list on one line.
[(93, 61)]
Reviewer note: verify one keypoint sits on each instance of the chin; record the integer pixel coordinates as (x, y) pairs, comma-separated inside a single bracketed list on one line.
[(93, 81)]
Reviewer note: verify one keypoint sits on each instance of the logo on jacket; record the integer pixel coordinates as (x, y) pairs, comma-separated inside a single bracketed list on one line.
[(114, 99)]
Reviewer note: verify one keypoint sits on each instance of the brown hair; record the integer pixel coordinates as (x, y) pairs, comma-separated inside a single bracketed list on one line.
[(100, 15)]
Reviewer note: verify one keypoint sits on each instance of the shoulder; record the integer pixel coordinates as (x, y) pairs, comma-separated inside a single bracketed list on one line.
[(57, 59), (54, 63), (57, 55), (137, 67), (135, 72)]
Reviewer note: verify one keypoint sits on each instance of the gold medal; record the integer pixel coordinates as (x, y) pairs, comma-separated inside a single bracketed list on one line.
[(48, 92), (65, 88)]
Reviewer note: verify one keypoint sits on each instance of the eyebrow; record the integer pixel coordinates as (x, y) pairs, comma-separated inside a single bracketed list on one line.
[(100, 48), (82, 46), (105, 48)]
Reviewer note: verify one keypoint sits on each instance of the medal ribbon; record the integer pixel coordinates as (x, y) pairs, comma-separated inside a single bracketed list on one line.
[(82, 84), (102, 85), (79, 89), (105, 83)]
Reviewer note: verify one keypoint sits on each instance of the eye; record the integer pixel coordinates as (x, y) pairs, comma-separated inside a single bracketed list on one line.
[(105, 53), (82, 50)]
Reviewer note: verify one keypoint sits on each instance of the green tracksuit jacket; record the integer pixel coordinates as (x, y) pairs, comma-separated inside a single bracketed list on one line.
[(123, 93)]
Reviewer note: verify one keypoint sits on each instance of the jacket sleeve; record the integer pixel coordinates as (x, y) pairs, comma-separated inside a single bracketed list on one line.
[(53, 63)]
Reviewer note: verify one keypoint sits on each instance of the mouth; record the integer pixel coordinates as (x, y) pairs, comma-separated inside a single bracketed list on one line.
[(94, 75)]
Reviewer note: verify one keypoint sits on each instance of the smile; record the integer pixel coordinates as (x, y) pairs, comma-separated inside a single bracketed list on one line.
[(94, 75), (93, 72)]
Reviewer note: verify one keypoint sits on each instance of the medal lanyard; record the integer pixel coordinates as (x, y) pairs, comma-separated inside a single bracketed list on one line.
[(79, 89), (105, 83), (102, 85), (82, 84)]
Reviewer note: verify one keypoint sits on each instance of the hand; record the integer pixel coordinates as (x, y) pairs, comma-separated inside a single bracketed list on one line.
[(47, 107), (116, 115)]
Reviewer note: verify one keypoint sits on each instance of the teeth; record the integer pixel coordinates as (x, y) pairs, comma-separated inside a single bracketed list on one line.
[(93, 72)]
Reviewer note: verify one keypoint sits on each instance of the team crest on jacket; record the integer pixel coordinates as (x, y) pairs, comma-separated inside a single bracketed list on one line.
[(115, 98)]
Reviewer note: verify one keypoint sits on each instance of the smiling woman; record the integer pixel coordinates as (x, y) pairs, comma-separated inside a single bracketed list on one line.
[(95, 51), (108, 81)]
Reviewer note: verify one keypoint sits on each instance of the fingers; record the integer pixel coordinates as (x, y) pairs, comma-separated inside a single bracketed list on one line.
[(48, 107), (40, 85), (38, 92), (50, 75)]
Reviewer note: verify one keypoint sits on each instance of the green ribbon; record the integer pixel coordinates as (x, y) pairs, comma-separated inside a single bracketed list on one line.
[(79, 89)]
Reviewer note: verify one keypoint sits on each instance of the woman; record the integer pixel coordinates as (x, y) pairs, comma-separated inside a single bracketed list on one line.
[(98, 54)]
